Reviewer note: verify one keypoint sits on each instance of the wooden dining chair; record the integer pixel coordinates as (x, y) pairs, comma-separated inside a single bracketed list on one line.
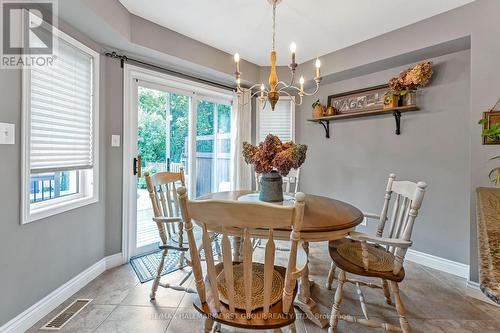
[(245, 294), (165, 201), (380, 256), (290, 181)]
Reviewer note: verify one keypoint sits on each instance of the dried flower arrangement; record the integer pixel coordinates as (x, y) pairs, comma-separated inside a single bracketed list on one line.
[(272, 154), (411, 79)]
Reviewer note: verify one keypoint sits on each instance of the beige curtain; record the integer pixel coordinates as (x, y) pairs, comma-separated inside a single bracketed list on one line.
[(241, 131)]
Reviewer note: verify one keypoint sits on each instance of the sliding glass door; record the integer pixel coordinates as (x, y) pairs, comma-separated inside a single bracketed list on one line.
[(162, 144), (213, 146), (177, 129)]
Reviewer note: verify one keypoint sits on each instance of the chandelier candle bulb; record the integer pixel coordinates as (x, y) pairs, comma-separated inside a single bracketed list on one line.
[(301, 81), (293, 49), (318, 65), (237, 61), (262, 91)]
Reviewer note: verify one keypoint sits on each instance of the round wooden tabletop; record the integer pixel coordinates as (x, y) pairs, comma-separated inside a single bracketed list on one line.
[(321, 213)]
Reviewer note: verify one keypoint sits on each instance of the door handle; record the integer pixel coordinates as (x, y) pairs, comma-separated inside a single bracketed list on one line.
[(138, 166)]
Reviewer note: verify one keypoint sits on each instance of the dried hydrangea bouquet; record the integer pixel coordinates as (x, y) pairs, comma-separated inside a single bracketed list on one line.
[(407, 82), (273, 159)]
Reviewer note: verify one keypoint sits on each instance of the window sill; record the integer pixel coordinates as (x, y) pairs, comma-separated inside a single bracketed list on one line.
[(58, 208)]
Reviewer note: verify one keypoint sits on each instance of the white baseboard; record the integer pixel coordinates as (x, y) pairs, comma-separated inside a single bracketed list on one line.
[(441, 264), (43, 307), (473, 291), (114, 260)]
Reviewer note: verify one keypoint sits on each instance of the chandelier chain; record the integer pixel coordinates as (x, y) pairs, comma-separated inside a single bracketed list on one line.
[(274, 25)]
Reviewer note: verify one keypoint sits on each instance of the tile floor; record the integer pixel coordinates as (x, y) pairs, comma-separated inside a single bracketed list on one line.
[(435, 301)]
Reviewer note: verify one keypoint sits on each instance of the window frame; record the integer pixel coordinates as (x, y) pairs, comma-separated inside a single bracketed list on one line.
[(258, 115), (89, 178)]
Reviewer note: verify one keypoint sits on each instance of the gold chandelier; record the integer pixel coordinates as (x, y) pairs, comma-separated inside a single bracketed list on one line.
[(278, 88)]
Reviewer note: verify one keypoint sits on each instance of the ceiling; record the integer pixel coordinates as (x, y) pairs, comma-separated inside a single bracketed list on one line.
[(317, 27)]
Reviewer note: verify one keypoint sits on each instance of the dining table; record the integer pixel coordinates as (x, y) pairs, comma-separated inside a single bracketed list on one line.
[(325, 219)]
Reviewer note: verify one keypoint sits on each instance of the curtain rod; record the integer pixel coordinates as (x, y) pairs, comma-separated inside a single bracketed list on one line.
[(124, 58)]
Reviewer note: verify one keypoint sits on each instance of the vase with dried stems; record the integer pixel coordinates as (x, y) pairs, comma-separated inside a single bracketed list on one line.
[(273, 159)]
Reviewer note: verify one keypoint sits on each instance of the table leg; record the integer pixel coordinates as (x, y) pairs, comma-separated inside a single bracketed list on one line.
[(304, 300)]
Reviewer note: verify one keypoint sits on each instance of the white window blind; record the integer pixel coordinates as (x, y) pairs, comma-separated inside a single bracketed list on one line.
[(278, 122), (61, 105)]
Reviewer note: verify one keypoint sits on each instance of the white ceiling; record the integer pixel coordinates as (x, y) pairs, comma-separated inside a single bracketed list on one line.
[(317, 27)]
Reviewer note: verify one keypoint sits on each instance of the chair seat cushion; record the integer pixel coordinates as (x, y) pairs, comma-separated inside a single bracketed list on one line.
[(347, 255), (276, 317), (277, 286)]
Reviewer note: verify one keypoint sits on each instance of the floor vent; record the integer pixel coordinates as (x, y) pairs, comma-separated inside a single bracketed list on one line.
[(66, 315)]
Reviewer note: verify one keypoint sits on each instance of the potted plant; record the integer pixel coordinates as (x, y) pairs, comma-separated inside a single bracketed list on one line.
[(405, 85), (493, 134), (273, 159), (318, 109)]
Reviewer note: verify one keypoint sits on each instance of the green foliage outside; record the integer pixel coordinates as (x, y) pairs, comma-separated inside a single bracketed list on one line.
[(152, 122), (205, 126), (152, 125)]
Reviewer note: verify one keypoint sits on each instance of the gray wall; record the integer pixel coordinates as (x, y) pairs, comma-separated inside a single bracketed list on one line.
[(353, 165), (113, 74), (39, 257)]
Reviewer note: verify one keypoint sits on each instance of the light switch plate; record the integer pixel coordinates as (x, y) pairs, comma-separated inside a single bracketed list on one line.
[(7, 134), (115, 141)]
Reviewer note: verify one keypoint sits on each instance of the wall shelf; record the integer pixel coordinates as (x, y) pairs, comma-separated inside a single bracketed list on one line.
[(396, 112)]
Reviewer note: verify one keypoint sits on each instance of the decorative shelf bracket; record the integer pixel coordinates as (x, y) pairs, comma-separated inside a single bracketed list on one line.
[(397, 116), (326, 126)]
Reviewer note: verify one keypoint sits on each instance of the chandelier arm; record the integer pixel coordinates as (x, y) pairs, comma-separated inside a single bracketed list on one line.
[(293, 97), (259, 92), (292, 79), (314, 92), (254, 94), (264, 104), (294, 88), (301, 99), (238, 86), (254, 86), (284, 85)]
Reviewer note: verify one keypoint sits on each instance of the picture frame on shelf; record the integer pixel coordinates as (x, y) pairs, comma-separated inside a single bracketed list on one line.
[(359, 101)]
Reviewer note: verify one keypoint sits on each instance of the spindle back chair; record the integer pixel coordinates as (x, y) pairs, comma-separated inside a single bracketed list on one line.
[(380, 256), (162, 188), (239, 306)]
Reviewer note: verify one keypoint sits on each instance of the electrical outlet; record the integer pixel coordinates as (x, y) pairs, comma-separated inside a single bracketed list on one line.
[(7, 134), (115, 141)]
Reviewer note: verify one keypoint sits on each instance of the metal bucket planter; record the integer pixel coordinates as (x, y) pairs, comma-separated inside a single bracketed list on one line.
[(271, 187)]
